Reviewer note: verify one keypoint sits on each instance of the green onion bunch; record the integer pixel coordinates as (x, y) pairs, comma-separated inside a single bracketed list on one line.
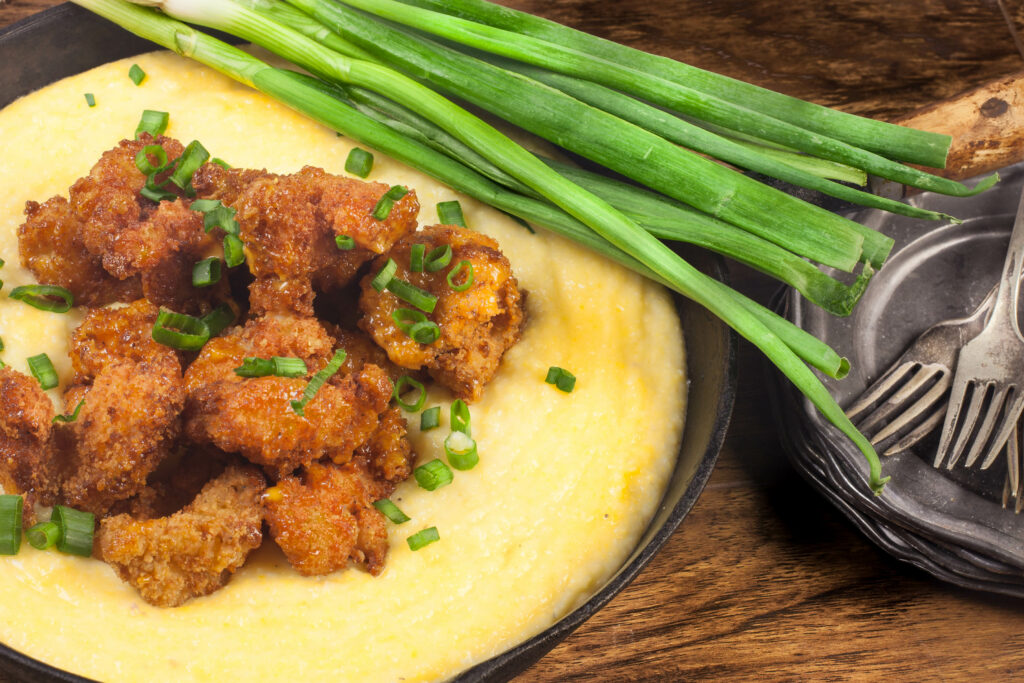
[(378, 70)]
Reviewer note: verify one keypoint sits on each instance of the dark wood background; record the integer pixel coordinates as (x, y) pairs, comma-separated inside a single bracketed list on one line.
[(765, 579)]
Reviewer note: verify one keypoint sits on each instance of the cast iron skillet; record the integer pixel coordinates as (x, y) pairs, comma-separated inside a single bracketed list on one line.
[(67, 40)]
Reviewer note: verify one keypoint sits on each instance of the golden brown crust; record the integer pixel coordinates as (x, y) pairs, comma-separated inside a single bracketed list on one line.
[(213, 181), (171, 560), (477, 326), (388, 455), (325, 519), (107, 335), (28, 463)]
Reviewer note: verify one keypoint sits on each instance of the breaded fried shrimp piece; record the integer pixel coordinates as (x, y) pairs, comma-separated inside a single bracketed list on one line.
[(361, 351), (325, 519), (108, 335), (289, 224), (388, 454), (477, 325), (254, 417), (28, 462), (194, 552), (213, 181), (129, 423), (51, 248)]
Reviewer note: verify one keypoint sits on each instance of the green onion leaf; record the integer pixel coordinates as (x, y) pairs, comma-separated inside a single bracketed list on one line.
[(318, 381), (234, 251), (11, 507), (194, 156), (450, 213), (220, 162), (461, 451), (430, 418), (416, 254), (76, 530), (44, 297), (42, 369), (72, 417), (90, 99), (383, 278), (43, 535), (143, 163), (152, 122), (383, 208), (344, 242), (359, 162), (154, 191), (180, 331), (438, 258), (206, 272), (421, 397), (405, 318), (216, 215), (391, 511), (218, 319), (136, 74), (425, 333), (276, 366), (289, 367), (563, 379), (425, 301), (433, 475), (459, 417), (453, 273), (423, 538)]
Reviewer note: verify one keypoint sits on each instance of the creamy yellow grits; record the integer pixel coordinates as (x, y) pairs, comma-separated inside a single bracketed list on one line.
[(565, 486)]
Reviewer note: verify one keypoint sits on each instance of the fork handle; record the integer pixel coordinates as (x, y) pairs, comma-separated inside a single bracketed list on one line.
[(1005, 306)]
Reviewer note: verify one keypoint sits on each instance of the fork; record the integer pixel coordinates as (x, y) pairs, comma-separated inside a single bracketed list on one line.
[(1013, 489), (987, 372), (927, 363)]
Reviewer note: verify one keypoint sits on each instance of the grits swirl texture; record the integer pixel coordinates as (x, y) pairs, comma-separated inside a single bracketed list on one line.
[(565, 486)]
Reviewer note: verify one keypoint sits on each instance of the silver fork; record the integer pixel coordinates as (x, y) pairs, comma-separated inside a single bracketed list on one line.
[(928, 363), (987, 373), (1013, 489)]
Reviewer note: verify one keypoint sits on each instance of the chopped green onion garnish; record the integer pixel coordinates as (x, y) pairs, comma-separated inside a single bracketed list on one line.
[(400, 387), (11, 507), (383, 208), (220, 162), (459, 417), (90, 99), (154, 191), (461, 451), (563, 379), (276, 366), (1, 344), (206, 272), (76, 529), (344, 242), (145, 166), (234, 251), (438, 258), (425, 301), (382, 278), (43, 535), (416, 325), (194, 156), (44, 297), (433, 475), (450, 213), (425, 332), (72, 417), (42, 369), (359, 162), (430, 418), (391, 511), (153, 122), (136, 74), (416, 255), (453, 273), (218, 319), (180, 331), (216, 215), (318, 381), (423, 538)]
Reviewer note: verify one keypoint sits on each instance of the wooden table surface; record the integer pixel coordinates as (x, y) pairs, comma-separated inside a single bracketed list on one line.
[(764, 578)]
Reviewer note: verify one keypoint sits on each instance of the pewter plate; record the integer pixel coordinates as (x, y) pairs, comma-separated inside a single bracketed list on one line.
[(949, 523)]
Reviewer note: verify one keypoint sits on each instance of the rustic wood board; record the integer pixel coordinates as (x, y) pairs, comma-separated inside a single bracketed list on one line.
[(764, 579)]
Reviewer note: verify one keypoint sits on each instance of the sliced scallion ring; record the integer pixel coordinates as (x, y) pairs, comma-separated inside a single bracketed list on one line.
[(433, 475), (44, 297), (145, 166), (459, 418), (194, 156), (136, 74), (438, 258), (344, 243), (385, 203), (383, 277), (11, 507), (423, 538), (391, 511), (277, 366), (450, 213), (400, 386), (206, 272), (76, 530), (563, 379), (405, 318), (454, 272), (430, 418), (423, 300), (425, 332), (461, 451), (359, 162), (43, 535), (66, 419), (219, 319), (234, 251), (216, 215), (42, 369), (180, 331), (90, 99), (318, 380), (220, 162), (154, 123), (416, 257)]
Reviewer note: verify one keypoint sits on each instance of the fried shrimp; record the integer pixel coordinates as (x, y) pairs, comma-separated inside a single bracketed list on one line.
[(129, 422), (191, 553), (254, 417), (325, 519), (50, 246), (289, 224), (387, 453), (477, 325), (27, 458), (107, 335)]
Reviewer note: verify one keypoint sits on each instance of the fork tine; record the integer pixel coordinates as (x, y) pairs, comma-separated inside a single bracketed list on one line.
[(882, 385), (1006, 425), (1013, 459), (911, 413), (898, 399), (919, 432), (967, 421), (956, 403), (996, 407)]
